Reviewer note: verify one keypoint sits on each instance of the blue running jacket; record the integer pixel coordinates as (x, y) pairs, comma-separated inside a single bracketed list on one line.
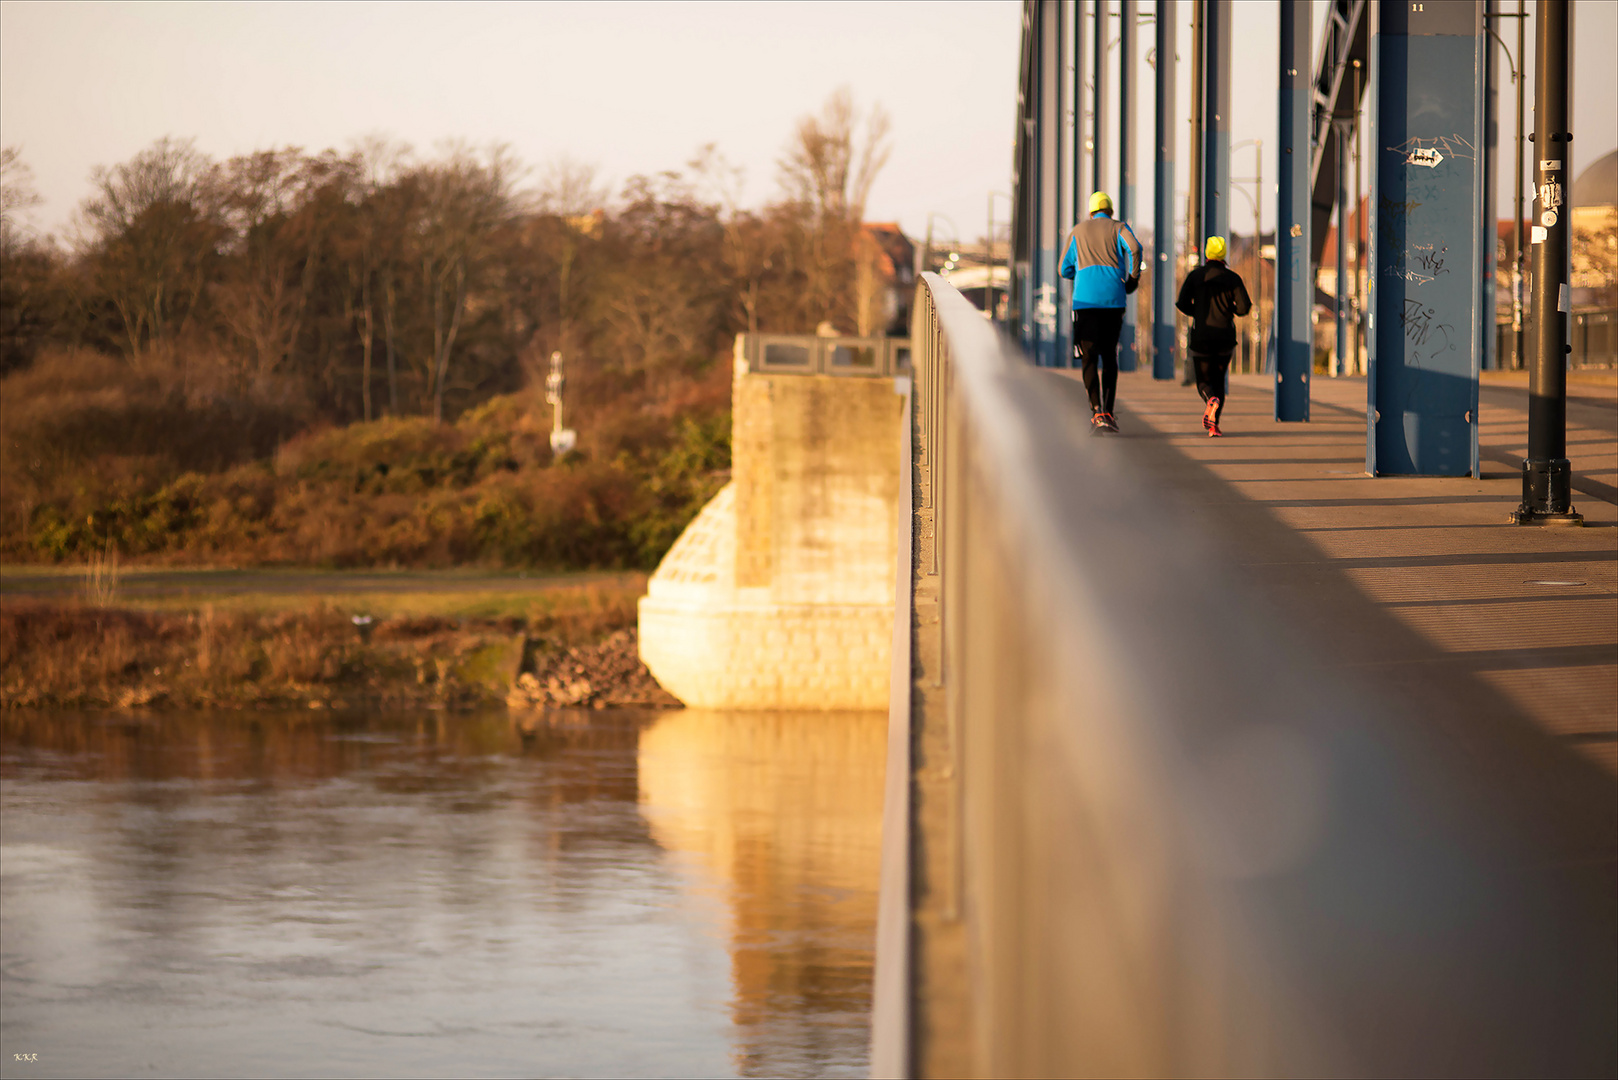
[(1101, 253)]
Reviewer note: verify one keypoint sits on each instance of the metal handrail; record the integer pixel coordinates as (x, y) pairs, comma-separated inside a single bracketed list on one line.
[(1178, 841), (889, 356)]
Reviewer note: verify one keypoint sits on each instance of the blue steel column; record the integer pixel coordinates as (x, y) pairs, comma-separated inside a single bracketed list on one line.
[(1163, 268), (1025, 183), (1062, 354), (1126, 163), (1426, 342), (1294, 345), (1491, 169), (1098, 108), (1081, 194), (1216, 27), (1341, 363), (1048, 131)]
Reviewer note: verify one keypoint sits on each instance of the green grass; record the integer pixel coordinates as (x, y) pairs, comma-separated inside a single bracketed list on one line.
[(469, 594)]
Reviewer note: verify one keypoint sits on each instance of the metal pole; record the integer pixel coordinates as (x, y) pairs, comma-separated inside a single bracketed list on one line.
[(1062, 354), (1193, 210), (1128, 340), (1258, 265), (1216, 29), (1547, 489), (1098, 109), (988, 261), (1126, 110), (1517, 357), (1294, 281), (1079, 193), (1358, 367), (1340, 361), (1165, 265)]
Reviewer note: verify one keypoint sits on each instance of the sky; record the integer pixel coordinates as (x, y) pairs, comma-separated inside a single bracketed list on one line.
[(627, 87)]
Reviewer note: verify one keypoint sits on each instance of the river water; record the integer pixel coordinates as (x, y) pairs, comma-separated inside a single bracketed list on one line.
[(604, 893)]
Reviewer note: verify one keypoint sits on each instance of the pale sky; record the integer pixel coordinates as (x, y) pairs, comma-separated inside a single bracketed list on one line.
[(629, 87)]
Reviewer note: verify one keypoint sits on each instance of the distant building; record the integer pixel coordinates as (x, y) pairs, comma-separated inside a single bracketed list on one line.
[(1595, 235), (892, 270)]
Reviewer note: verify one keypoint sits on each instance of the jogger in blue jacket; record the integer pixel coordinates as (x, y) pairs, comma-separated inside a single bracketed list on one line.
[(1104, 260)]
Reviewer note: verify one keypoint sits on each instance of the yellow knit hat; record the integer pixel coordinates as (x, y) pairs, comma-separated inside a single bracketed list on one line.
[(1216, 247)]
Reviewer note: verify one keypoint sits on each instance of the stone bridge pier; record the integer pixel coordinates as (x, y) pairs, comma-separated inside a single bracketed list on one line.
[(780, 594)]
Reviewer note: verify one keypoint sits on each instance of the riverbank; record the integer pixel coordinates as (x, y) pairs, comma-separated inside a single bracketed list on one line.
[(435, 644)]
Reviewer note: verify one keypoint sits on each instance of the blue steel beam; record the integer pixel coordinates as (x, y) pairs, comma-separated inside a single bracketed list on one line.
[(1062, 354), (1427, 68), (1163, 265), (1098, 101), (1023, 181), (1216, 30), (1047, 133), (1126, 161), (1079, 57), (1294, 277)]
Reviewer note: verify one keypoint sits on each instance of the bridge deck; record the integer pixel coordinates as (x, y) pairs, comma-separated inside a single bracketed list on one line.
[(1419, 582)]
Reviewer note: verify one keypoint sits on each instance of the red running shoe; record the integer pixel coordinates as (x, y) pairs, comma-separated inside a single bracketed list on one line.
[(1108, 423), (1209, 414), (1214, 432)]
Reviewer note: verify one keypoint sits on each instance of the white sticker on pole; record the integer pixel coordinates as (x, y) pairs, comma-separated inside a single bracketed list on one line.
[(1561, 297), (1538, 236)]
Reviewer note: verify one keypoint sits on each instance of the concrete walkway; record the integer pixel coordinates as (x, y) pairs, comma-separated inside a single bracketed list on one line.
[(1418, 583)]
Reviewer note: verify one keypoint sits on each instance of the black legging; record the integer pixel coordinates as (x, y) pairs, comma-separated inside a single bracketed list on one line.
[(1211, 383), (1095, 337)]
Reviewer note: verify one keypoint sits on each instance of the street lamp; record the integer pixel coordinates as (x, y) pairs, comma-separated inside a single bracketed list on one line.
[(988, 295), (1517, 275), (927, 252)]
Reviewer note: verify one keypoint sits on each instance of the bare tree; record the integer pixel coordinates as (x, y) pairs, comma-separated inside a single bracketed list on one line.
[(377, 161), (279, 221), (570, 190), (155, 227), (827, 173), (17, 197), (830, 165), (747, 253), (466, 201)]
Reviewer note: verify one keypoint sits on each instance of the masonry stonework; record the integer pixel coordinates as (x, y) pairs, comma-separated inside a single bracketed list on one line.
[(780, 594)]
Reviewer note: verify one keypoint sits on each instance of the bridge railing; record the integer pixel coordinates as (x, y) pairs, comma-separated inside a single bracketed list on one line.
[(811, 354), (1139, 829)]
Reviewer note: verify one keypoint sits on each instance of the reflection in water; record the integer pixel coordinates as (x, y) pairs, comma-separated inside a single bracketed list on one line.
[(432, 895), (784, 814)]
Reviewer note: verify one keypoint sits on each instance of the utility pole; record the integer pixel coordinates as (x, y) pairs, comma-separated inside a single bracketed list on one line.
[(562, 439), (988, 260), (1547, 476)]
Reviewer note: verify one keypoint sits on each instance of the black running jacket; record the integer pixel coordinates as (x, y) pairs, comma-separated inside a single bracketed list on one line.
[(1213, 295)]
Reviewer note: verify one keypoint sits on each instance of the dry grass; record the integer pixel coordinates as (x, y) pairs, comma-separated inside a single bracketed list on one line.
[(75, 655), (101, 578)]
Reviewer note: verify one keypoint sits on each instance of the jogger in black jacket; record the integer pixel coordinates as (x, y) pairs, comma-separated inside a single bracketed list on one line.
[(1213, 295)]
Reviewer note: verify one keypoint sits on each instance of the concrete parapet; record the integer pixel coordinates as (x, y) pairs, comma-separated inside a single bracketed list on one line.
[(780, 594)]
